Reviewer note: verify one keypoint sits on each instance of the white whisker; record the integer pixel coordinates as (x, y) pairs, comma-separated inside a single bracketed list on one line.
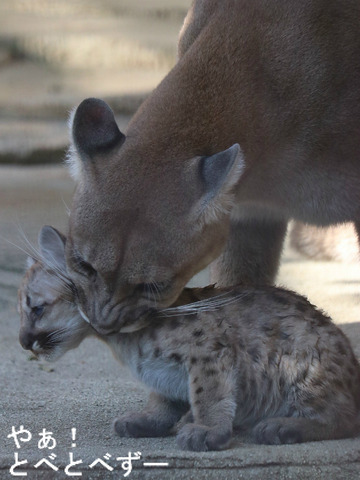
[(53, 336), (30, 251), (34, 252), (155, 291), (62, 333), (26, 252), (207, 305), (58, 273), (158, 290), (67, 209)]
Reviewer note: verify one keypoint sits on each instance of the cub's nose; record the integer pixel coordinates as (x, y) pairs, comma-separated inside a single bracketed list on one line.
[(26, 340)]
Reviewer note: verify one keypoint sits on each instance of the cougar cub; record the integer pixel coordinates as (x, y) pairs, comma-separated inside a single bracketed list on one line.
[(259, 358)]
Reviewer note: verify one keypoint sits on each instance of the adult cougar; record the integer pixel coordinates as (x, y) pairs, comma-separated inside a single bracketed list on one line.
[(153, 207)]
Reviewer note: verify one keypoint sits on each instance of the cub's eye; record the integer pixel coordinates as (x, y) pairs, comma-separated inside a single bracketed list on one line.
[(84, 267), (38, 310)]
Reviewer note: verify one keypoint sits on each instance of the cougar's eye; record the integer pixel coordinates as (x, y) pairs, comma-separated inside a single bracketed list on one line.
[(153, 289), (143, 287), (84, 267), (38, 310)]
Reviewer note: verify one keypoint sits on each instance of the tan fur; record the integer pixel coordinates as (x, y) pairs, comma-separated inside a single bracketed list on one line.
[(279, 78), (259, 358)]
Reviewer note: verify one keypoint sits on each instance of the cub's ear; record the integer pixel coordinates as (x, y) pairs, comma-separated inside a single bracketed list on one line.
[(219, 175), (52, 248), (94, 128)]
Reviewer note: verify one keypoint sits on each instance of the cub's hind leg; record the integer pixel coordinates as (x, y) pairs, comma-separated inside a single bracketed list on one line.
[(156, 420), (252, 253), (287, 430)]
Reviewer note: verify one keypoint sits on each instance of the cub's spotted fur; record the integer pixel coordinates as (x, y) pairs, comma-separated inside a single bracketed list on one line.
[(263, 358)]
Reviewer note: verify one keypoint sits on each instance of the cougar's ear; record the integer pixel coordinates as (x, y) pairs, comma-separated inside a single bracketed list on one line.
[(94, 128), (94, 131), (219, 174), (52, 248)]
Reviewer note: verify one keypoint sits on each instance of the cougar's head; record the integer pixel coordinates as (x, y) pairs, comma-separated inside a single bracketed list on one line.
[(140, 226)]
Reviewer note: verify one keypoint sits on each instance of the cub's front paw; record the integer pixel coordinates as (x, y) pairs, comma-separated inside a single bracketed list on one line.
[(199, 438)]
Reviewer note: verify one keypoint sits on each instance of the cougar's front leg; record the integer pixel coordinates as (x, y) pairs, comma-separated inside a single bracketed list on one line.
[(156, 420), (252, 253), (213, 407), (357, 227)]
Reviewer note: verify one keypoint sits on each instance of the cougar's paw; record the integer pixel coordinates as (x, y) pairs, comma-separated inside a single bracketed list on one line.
[(275, 431), (199, 438)]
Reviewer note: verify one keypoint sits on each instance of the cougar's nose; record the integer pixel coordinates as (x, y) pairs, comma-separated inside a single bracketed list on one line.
[(26, 340)]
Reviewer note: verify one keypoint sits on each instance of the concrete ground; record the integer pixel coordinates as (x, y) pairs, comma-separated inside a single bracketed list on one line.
[(41, 77)]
